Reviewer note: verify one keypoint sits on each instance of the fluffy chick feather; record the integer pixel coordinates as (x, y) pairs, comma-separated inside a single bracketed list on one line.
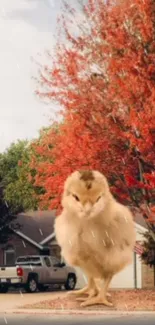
[(94, 231)]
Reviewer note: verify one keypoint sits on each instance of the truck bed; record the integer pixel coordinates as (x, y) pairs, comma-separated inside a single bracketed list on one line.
[(8, 271)]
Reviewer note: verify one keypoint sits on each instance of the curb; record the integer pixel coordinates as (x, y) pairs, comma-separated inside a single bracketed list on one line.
[(75, 312)]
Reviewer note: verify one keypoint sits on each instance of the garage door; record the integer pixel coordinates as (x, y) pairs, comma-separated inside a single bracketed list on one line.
[(130, 277)]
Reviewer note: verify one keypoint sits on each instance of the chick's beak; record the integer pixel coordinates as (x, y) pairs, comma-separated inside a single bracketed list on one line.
[(88, 207)]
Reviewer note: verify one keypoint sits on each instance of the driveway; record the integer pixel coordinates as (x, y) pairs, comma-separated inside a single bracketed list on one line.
[(17, 299)]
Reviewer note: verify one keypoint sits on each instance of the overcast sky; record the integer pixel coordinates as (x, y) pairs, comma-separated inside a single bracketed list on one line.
[(26, 28)]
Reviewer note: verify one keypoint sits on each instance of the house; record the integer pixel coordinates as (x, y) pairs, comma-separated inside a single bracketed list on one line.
[(36, 236), (35, 229)]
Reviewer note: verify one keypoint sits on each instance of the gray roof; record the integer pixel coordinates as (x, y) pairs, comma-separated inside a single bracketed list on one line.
[(36, 225)]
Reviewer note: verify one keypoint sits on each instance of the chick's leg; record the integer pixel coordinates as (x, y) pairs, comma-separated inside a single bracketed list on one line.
[(90, 289), (101, 298)]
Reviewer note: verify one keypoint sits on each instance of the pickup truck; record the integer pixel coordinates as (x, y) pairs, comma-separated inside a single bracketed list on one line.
[(37, 272)]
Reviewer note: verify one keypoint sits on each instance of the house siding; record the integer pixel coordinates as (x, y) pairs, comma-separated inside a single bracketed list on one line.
[(148, 276), (1, 256), (21, 247)]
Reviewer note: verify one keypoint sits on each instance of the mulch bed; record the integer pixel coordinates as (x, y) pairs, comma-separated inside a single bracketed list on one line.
[(123, 300)]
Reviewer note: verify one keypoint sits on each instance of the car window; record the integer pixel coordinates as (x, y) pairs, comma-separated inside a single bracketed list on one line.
[(28, 260), (47, 261)]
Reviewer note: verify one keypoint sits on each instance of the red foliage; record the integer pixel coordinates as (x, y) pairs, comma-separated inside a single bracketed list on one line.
[(19, 163), (109, 114)]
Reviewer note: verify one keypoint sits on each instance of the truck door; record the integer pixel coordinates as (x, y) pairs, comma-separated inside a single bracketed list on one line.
[(48, 270), (58, 274)]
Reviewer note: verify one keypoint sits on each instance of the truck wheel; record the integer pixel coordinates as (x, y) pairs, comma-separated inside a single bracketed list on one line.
[(71, 282), (32, 285), (42, 287), (3, 289)]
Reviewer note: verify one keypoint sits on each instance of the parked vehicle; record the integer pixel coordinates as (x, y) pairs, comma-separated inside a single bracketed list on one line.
[(36, 273)]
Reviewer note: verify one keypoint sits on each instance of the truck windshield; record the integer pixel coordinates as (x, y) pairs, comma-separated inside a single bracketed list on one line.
[(28, 260)]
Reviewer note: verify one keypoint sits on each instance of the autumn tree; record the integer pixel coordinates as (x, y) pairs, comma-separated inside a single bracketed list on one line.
[(104, 79)]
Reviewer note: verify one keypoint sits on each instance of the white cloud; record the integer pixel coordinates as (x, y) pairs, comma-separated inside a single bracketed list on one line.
[(21, 37)]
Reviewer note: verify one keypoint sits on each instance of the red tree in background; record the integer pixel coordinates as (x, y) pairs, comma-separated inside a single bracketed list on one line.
[(104, 78)]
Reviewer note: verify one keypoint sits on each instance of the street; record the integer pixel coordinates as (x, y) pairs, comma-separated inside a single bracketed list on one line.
[(76, 320)]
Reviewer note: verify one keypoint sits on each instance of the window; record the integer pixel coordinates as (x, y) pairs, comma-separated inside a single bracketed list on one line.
[(47, 261), (29, 260), (9, 255)]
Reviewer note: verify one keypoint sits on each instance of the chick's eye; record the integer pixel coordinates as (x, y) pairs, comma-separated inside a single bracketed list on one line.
[(76, 197), (98, 199)]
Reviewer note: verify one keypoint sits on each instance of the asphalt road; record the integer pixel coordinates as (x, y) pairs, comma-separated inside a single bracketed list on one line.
[(76, 320)]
